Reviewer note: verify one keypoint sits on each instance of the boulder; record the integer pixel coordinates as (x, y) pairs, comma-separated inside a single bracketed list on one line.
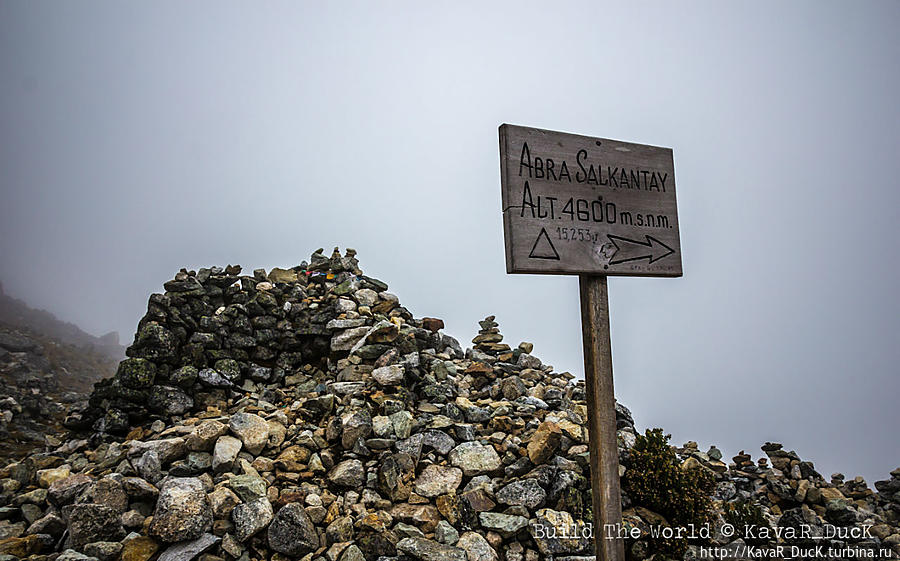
[(225, 453), (428, 550), (476, 547), (92, 523), (182, 512), (188, 550), (250, 518), (438, 480), (348, 473), (475, 458), (292, 532), (252, 429), (544, 443)]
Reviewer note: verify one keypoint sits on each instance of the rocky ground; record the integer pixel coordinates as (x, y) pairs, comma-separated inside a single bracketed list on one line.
[(304, 413), (39, 378)]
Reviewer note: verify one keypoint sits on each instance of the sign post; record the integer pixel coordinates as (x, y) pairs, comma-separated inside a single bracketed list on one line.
[(592, 207)]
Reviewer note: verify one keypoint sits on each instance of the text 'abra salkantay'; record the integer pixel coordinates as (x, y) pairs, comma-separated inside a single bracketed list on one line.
[(582, 205)]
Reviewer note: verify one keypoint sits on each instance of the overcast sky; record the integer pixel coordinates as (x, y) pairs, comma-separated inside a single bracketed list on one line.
[(139, 139)]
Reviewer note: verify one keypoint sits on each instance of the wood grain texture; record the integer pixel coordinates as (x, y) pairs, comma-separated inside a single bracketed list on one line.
[(598, 378), (575, 204)]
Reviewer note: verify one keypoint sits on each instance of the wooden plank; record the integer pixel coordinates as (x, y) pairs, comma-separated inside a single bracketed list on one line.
[(575, 204), (598, 378)]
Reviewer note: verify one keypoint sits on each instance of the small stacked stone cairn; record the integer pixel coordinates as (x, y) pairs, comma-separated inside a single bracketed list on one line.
[(489, 340), (303, 413)]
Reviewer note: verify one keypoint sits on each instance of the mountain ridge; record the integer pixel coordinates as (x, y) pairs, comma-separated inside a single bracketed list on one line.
[(17, 313)]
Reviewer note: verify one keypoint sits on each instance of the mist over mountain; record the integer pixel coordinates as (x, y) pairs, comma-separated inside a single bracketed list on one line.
[(17, 313)]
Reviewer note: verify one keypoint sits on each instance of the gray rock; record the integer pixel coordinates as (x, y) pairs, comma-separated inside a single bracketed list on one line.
[(840, 512), (352, 553), (337, 324), (348, 388), (50, 524), (407, 531), (356, 427), (250, 518), (475, 458), (92, 523), (182, 511), (725, 490), (349, 473), (139, 489), (440, 441), (252, 429), (167, 449), (212, 378), (445, 533), (555, 532), (260, 373), (184, 377), (194, 463), (225, 453), (428, 550), (148, 466), (402, 421), (230, 368), (248, 487), (344, 340), (188, 550), (205, 435), (506, 525), (438, 480), (167, 400), (528, 361), (107, 491), (344, 305), (31, 512), (292, 532), (64, 491), (476, 547), (382, 426), (366, 297), (72, 555), (136, 373), (104, 551), (392, 375), (526, 492)]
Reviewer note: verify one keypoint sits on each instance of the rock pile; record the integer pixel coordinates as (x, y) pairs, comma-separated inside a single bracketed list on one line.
[(304, 413)]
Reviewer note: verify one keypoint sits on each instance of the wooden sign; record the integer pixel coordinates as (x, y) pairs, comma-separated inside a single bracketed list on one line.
[(581, 205), (593, 207)]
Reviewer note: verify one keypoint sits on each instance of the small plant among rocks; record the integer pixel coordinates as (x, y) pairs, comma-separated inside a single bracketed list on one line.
[(744, 514), (655, 480)]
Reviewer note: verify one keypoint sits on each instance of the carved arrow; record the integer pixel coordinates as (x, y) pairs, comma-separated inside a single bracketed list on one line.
[(631, 250)]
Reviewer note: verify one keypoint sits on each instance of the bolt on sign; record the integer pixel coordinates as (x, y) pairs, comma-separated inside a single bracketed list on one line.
[(581, 205), (592, 207)]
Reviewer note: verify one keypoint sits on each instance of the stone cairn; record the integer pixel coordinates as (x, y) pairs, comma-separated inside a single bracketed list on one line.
[(305, 414)]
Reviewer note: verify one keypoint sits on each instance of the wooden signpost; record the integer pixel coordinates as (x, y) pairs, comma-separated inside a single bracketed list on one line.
[(593, 207)]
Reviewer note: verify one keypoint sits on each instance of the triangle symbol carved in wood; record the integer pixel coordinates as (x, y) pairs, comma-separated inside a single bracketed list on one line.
[(543, 248)]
